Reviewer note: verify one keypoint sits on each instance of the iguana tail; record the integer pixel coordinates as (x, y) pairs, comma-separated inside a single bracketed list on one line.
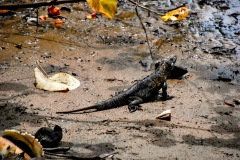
[(79, 110), (114, 102)]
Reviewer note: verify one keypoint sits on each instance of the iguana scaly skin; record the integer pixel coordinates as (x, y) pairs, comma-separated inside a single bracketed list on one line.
[(143, 91)]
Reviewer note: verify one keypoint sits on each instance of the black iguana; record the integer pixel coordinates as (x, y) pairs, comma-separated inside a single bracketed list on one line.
[(143, 91)]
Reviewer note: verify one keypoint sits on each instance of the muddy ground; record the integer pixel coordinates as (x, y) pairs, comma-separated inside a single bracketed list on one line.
[(104, 56)]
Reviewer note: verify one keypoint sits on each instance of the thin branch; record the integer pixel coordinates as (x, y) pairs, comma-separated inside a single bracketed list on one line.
[(145, 8), (43, 71), (48, 124), (37, 4), (144, 30), (37, 20)]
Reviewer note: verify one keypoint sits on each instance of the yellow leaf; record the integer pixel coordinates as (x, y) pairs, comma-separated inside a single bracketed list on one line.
[(176, 15), (107, 7)]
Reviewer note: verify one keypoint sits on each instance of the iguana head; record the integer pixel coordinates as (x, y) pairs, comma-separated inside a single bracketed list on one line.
[(166, 65)]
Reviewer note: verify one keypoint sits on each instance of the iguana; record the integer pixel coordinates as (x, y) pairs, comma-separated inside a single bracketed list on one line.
[(143, 91)]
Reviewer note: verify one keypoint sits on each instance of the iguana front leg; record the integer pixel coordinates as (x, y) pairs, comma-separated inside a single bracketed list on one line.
[(134, 103), (164, 91), (165, 96)]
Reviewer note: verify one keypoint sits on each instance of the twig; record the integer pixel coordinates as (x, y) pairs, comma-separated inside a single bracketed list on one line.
[(37, 20), (57, 149), (69, 156), (37, 4), (145, 8), (44, 72), (144, 30), (48, 124)]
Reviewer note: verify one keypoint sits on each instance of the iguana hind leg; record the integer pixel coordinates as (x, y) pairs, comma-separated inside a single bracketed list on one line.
[(134, 103)]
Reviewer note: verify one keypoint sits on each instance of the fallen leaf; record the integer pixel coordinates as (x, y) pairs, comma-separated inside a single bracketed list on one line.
[(43, 17), (53, 11), (107, 7), (56, 82), (91, 16), (58, 22), (3, 11), (165, 115), (176, 15), (229, 103)]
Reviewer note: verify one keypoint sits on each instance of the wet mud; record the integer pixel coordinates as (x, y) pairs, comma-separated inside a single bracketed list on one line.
[(104, 55)]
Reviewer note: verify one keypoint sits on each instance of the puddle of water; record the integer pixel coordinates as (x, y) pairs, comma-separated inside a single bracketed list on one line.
[(210, 27)]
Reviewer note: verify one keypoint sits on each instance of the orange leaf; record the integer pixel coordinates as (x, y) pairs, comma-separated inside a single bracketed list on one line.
[(176, 15), (91, 16), (4, 11), (107, 7), (53, 11), (58, 22), (43, 18)]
